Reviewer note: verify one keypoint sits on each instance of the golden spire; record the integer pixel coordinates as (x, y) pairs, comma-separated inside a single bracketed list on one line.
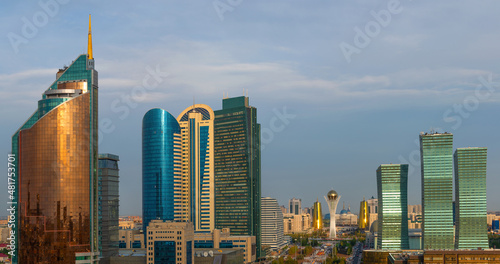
[(89, 47)]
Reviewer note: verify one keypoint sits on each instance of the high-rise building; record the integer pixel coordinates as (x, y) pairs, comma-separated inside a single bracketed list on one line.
[(332, 199), (170, 242), (372, 211), (436, 154), (55, 153), (237, 168), (272, 224), (197, 167), (108, 206), (295, 206), (392, 186), (364, 220), (161, 156), (317, 216), (470, 198)]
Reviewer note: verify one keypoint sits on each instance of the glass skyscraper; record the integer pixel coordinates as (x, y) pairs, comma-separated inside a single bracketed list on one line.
[(470, 198), (436, 153), (392, 187), (160, 165), (56, 161), (109, 200), (237, 168)]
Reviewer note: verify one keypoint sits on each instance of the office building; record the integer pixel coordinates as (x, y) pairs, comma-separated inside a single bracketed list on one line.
[(436, 154), (364, 221), (392, 187), (160, 165), (55, 154), (197, 167), (332, 199), (470, 198), (415, 216), (495, 225), (295, 206), (372, 210), (222, 239), (317, 216), (237, 168), (108, 206), (170, 242), (272, 224)]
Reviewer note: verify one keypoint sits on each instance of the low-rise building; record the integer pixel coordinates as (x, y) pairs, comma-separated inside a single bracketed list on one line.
[(222, 239), (170, 242)]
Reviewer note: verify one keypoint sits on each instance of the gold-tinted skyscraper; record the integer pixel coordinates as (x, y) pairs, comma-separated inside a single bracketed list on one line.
[(318, 216), (364, 218), (56, 157)]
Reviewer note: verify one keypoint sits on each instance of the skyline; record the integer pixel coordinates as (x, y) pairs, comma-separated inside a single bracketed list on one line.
[(376, 112)]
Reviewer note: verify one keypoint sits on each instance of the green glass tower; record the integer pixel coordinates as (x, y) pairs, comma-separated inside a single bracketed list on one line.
[(470, 198), (436, 154), (237, 169), (392, 187)]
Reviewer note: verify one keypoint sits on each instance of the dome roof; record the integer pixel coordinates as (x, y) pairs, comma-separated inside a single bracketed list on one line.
[(374, 227), (332, 195), (343, 211)]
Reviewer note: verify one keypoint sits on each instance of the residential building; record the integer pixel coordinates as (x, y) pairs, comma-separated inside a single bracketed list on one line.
[(295, 206), (170, 242), (55, 153), (392, 186), (272, 224), (237, 168), (436, 154), (470, 198), (108, 206)]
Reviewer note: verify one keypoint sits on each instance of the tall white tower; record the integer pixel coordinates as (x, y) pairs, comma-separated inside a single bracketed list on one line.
[(332, 199)]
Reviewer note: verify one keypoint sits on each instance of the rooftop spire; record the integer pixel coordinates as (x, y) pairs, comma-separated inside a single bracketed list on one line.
[(89, 46)]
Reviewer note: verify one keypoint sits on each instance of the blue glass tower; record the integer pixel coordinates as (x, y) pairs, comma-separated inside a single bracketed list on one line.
[(160, 153)]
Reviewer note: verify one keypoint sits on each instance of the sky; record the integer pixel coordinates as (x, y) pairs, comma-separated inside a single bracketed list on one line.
[(340, 86)]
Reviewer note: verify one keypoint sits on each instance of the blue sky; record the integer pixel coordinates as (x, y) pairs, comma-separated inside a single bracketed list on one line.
[(430, 65)]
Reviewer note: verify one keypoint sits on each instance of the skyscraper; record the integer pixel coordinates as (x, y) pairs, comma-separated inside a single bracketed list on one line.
[(56, 158), (237, 168), (109, 200), (392, 186), (272, 224), (197, 167), (295, 206), (317, 216), (436, 154), (161, 156), (470, 198), (364, 218)]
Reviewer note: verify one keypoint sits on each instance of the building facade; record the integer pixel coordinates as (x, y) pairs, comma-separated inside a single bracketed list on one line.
[(372, 210), (237, 168), (364, 220), (197, 167), (392, 186), (318, 216), (55, 153), (222, 239), (470, 198), (109, 200), (170, 242), (272, 224), (436, 154), (295, 206), (160, 165)]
